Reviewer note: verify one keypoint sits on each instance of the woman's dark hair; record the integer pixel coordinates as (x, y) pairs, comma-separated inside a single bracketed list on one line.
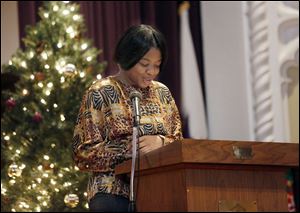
[(136, 42)]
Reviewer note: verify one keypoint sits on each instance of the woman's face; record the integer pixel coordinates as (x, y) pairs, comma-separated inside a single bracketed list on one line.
[(146, 70)]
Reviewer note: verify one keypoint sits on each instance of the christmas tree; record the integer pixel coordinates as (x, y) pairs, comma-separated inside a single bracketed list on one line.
[(54, 69)]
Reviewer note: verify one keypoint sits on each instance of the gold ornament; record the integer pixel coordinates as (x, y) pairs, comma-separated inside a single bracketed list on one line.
[(14, 170), (78, 36), (69, 70), (71, 200), (89, 69), (40, 46)]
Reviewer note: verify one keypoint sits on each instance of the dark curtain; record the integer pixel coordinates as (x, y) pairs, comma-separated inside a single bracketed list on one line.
[(107, 20), (28, 15)]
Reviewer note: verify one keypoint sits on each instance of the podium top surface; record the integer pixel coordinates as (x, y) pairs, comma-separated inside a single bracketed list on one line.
[(219, 152)]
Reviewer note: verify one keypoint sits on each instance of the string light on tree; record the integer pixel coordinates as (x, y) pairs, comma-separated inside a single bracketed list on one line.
[(62, 117), (84, 46), (23, 64), (62, 79), (66, 12), (46, 15), (89, 58), (25, 92), (44, 55), (81, 74), (40, 84), (50, 85), (55, 8), (47, 92), (99, 76), (59, 45), (31, 54), (76, 17)]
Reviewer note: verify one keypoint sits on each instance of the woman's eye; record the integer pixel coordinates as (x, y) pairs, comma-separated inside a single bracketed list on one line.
[(144, 65)]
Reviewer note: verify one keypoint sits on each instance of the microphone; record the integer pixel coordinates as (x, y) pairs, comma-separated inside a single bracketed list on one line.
[(135, 98)]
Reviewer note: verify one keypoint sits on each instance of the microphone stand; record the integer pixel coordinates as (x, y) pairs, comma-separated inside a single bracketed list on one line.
[(135, 138)]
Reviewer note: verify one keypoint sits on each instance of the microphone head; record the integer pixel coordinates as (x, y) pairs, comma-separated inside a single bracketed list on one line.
[(135, 94)]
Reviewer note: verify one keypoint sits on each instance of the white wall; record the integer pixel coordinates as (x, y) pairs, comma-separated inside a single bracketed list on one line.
[(294, 105), (9, 30), (249, 49), (225, 71)]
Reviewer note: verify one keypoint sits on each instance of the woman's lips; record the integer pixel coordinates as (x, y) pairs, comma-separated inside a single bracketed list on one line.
[(147, 81)]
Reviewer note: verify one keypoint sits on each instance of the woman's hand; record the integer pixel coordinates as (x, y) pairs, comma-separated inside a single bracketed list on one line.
[(147, 143)]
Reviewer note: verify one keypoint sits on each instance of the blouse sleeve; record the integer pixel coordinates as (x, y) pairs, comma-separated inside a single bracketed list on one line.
[(175, 124), (173, 120), (91, 150)]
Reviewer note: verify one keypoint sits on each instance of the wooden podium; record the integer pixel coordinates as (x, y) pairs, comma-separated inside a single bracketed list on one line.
[(214, 175)]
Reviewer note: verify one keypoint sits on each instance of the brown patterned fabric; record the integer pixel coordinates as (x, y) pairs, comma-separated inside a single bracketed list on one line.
[(103, 130)]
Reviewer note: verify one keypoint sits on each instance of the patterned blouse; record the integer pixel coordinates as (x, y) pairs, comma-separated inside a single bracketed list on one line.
[(104, 126)]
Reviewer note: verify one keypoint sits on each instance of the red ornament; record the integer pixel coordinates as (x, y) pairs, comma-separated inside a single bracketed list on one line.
[(10, 103), (37, 117), (39, 76), (46, 166), (5, 199)]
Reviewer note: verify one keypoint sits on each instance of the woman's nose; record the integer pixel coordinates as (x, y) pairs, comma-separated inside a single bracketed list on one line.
[(152, 69)]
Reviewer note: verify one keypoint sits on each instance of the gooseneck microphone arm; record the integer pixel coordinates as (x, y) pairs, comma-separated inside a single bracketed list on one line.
[(135, 98)]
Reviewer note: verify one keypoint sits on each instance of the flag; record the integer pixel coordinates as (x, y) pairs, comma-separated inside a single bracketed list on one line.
[(191, 90), (290, 191)]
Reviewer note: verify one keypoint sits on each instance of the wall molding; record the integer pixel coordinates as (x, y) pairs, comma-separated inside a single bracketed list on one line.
[(273, 34)]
